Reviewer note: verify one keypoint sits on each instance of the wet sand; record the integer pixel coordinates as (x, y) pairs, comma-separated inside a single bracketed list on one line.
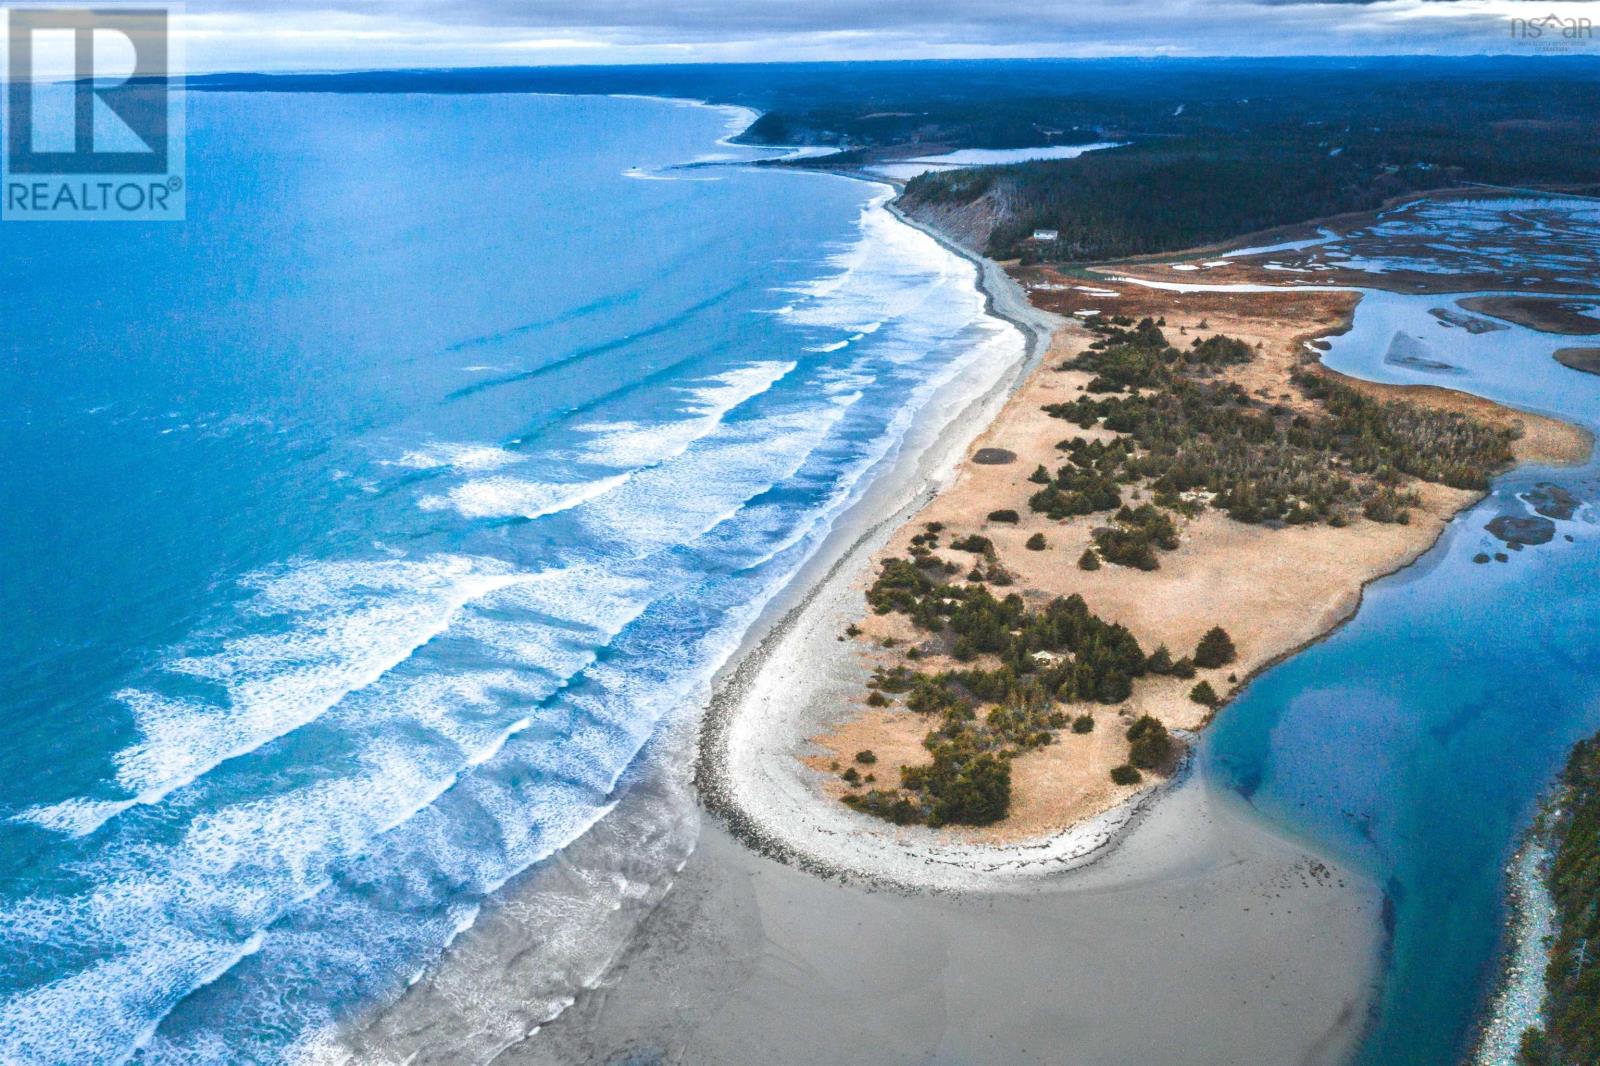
[(1202, 939)]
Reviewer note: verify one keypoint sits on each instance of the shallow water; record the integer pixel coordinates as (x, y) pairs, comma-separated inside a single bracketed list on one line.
[(363, 530), (984, 157), (1416, 741)]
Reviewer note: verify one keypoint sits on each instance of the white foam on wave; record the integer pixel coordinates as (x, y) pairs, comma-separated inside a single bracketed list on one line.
[(164, 922), (509, 497), (678, 501), (462, 457), (345, 625), (101, 1014), (74, 817), (635, 444), (736, 117), (244, 865), (890, 271), (999, 347), (665, 174), (582, 595)]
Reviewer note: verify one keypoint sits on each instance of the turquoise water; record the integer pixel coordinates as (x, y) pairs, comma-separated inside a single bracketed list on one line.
[(1416, 741), (362, 530)]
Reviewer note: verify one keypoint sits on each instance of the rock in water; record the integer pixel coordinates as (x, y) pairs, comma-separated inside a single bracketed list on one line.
[(1523, 530), (1552, 501)]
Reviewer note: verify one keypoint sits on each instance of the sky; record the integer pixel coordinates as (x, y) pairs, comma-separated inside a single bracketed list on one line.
[(344, 34), (357, 34)]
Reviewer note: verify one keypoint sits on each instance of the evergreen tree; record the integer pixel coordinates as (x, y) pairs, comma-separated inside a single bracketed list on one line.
[(1215, 649)]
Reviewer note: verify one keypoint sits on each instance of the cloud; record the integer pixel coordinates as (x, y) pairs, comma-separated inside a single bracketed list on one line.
[(277, 34)]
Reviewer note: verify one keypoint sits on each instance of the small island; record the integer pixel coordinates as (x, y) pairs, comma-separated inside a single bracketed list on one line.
[(1586, 360), (1544, 313)]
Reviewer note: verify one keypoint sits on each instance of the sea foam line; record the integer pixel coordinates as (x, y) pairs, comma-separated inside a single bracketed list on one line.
[(278, 683)]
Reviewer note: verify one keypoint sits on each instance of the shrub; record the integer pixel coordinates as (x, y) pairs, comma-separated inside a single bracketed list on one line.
[(1113, 687), (851, 776), (1126, 547), (900, 679), (1183, 669), (1215, 649), (1088, 560), (973, 543), (1534, 1049), (1084, 723), (1125, 775), (1040, 476), (1144, 726), (1151, 743), (1390, 506), (1160, 661), (1036, 543), (866, 757), (1091, 660), (1005, 515), (1204, 694), (877, 699), (966, 789), (1136, 536), (890, 806)]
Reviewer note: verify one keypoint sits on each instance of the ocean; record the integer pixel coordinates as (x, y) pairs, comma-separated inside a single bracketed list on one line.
[(364, 531)]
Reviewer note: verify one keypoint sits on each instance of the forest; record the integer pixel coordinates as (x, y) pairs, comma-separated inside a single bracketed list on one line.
[(1194, 440), (1570, 1035), (1264, 157)]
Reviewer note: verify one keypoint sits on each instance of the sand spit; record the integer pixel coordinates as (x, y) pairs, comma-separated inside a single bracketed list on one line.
[(796, 713)]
